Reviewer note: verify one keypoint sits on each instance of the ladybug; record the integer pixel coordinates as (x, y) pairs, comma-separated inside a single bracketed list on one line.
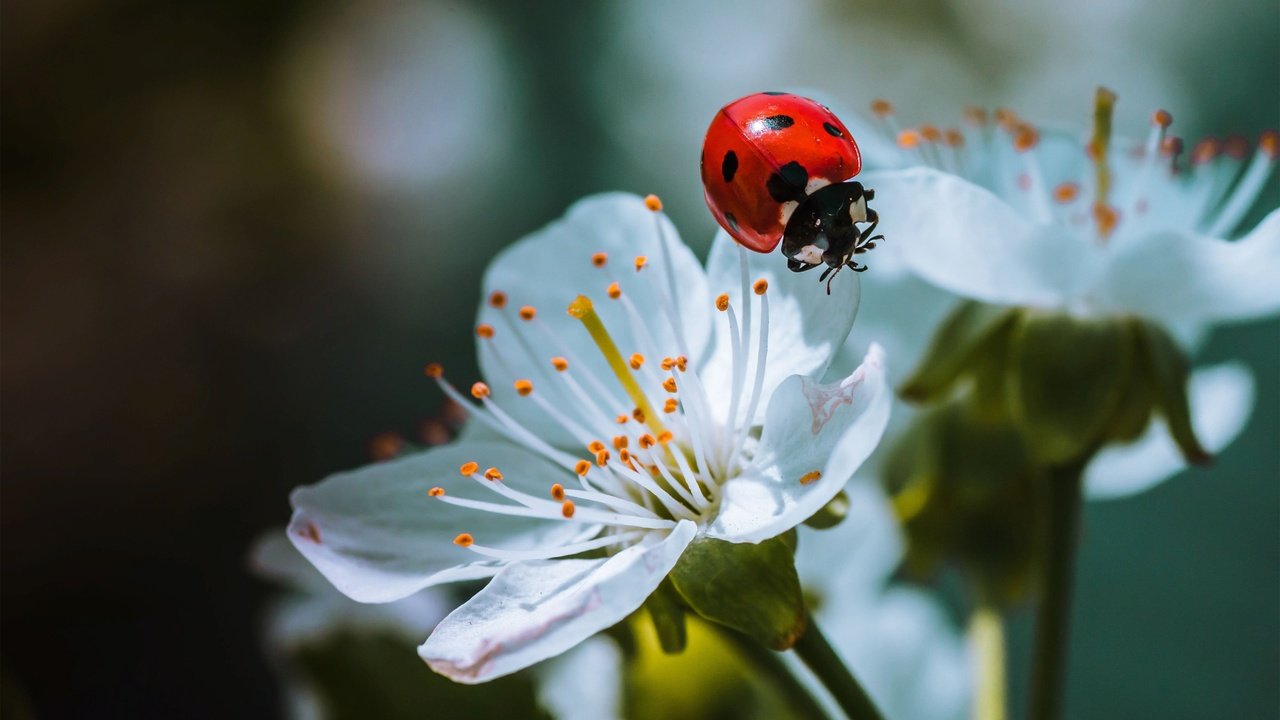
[(776, 167)]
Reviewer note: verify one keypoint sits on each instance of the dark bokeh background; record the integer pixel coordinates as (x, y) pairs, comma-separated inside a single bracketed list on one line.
[(234, 230)]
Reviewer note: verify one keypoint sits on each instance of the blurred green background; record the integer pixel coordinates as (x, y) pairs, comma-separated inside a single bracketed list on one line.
[(233, 231)]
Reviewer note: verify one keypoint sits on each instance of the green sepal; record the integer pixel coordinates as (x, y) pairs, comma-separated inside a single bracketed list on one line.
[(963, 335), (752, 588), (831, 514), (666, 610), (1165, 368), (1069, 379), (1133, 412)]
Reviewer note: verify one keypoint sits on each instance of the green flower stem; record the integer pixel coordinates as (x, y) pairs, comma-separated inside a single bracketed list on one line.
[(769, 664), (822, 659), (986, 637), (1053, 616)]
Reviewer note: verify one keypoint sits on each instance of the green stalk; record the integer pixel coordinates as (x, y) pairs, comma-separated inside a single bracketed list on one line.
[(1053, 616), (821, 658), (986, 638)]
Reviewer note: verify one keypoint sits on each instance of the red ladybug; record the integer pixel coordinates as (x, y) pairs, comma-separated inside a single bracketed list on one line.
[(777, 167)]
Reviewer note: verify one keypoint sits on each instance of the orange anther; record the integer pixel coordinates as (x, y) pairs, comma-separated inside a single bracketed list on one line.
[(909, 139), (641, 261), (581, 467), (484, 330), (670, 405), (682, 362), (523, 387), (665, 437), (599, 259), (602, 458), (567, 509), (557, 492), (622, 419), (953, 137), (528, 312), (1066, 192), (1206, 150), (1162, 118), (810, 476), (468, 469), (760, 287), (647, 441), (1172, 146), (559, 363), (479, 391), (433, 370), (975, 115), (722, 302), (1006, 118), (464, 540), (595, 446), (653, 202), (1269, 143), (386, 446), (1025, 138), (668, 363), (614, 291), (492, 474), (1107, 218), (624, 456), (436, 492), (930, 133), (669, 384), (636, 361), (638, 414), (619, 441), (498, 299), (881, 108)]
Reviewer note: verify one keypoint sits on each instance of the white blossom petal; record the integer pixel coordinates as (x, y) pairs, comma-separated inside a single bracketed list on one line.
[(377, 536), (810, 428), (535, 610), (806, 326), (551, 267), (316, 609), (866, 547), (1221, 399), (584, 683), (963, 238), (1183, 277)]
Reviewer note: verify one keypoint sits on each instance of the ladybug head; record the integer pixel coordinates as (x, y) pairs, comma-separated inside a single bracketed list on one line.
[(823, 229)]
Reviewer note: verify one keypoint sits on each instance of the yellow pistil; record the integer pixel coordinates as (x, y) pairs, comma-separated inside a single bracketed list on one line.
[(1103, 108), (583, 309)]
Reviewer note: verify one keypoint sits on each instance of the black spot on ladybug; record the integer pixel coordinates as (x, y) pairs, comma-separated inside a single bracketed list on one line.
[(729, 166), (778, 122), (832, 129), (788, 183), (733, 221), (773, 92)]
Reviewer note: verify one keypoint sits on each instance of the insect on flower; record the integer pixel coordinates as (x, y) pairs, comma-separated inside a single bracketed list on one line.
[(777, 167)]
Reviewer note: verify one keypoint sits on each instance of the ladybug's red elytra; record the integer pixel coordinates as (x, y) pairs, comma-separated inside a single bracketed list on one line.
[(776, 167)]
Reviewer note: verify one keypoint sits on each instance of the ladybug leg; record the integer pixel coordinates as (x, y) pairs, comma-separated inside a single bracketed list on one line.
[(832, 271)]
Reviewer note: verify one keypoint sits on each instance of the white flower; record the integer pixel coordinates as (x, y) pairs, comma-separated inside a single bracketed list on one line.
[(898, 641), (632, 426), (1003, 214), (1013, 217)]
